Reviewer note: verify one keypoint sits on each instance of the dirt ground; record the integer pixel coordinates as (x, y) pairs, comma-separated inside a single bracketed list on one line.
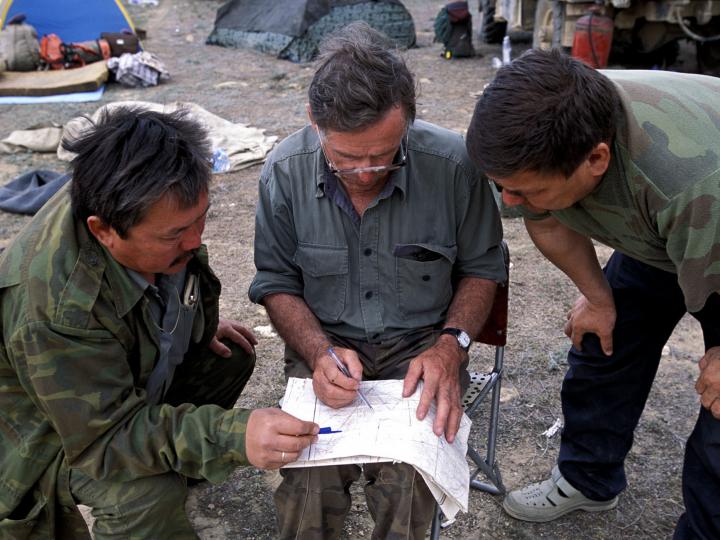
[(259, 90)]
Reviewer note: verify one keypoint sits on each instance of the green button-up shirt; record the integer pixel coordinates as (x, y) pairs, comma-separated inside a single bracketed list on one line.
[(392, 270)]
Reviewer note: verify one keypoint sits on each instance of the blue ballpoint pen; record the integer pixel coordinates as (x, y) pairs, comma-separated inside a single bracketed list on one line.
[(343, 369)]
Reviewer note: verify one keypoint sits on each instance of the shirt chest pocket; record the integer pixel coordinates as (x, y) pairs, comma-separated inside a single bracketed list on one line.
[(325, 279), (423, 277)]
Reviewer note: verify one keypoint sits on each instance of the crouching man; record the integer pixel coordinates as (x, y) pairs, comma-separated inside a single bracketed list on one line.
[(117, 378)]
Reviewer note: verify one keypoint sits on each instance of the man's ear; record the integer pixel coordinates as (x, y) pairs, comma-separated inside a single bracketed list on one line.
[(309, 113), (599, 159), (104, 233)]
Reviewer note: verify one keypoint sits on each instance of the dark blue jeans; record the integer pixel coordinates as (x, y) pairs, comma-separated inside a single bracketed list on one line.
[(603, 397)]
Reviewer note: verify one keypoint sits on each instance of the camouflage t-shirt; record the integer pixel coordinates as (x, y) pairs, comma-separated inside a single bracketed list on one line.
[(659, 201)]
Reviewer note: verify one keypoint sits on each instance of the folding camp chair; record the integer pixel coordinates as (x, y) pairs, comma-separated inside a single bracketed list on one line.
[(481, 384)]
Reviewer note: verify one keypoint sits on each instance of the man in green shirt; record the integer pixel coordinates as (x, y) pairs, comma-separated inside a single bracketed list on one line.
[(117, 377), (368, 240), (631, 159)]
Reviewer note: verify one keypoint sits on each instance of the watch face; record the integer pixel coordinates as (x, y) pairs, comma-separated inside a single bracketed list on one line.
[(462, 337)]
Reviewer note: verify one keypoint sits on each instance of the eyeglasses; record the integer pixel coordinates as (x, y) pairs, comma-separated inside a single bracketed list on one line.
[(377, 169)]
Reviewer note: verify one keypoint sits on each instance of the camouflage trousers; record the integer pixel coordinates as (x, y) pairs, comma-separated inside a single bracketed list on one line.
[(154, 507), (312, 502)]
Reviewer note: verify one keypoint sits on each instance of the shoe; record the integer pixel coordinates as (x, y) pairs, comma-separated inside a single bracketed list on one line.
[(551, 499), (192, 482)]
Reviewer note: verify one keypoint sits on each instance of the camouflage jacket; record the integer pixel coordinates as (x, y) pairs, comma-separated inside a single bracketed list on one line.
[(659, 201), (77, 348)]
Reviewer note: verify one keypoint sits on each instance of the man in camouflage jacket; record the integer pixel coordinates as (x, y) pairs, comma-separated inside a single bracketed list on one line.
[(631, 159), (117, 377)]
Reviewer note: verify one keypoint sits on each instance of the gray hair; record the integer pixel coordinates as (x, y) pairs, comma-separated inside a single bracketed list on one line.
[(131, 158), (358, 80)]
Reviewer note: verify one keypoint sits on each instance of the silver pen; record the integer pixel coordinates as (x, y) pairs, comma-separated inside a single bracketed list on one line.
[(343, 369)]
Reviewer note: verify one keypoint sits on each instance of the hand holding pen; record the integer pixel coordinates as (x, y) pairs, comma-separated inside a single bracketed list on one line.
[(334, 386), (344, 371)]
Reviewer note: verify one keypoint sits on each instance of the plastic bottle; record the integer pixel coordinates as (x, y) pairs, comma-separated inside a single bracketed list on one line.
[(220, 161), (506, 51)]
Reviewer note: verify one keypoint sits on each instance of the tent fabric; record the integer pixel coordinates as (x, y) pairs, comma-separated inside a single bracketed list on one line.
[(288, 17), (72, 20), (253, 24)]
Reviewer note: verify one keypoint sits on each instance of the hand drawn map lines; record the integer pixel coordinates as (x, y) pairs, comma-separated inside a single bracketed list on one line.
[(387, 432)]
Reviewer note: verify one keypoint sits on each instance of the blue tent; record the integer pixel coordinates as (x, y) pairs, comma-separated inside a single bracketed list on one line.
[(72, 20)]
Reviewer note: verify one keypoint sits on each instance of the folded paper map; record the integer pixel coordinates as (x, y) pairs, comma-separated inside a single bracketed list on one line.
[(389, 431)]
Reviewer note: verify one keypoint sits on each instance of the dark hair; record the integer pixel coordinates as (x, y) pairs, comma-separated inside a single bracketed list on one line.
[(358, 80), (131, 158), (544, 112)]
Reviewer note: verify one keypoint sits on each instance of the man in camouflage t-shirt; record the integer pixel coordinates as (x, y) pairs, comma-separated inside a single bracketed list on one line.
[(117, 376), (632, 160)]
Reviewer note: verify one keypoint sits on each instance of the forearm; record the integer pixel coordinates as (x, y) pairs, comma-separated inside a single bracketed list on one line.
[(471, 305), (200, 442), (116, 435), (572, 253), (297, 325)]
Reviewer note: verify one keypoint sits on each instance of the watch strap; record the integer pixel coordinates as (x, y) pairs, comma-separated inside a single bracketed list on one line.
[(460, 335)]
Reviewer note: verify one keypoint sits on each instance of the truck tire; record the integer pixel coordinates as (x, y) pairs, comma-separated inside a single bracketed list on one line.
[(491, 31), (708, 58), (549, 20), (708, 53)]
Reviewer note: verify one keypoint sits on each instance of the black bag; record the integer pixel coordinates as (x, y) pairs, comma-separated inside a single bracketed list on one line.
[(121, 42), (453, 28)]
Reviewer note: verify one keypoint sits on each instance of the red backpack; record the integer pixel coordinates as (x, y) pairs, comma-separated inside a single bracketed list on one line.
[(58, 55)]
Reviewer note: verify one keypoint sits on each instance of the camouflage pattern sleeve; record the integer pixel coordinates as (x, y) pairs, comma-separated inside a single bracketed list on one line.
[(106, 428)]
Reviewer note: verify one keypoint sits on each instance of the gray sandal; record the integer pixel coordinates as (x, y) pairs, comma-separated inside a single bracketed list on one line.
[(551, 499)]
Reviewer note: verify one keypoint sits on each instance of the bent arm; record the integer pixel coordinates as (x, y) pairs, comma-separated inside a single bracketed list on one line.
[(87, 392), (439, 366), (301, 330), (471, 304), (572, 253), (297, 325)]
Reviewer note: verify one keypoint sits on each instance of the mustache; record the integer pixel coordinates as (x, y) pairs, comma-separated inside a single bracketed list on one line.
[(184, 258)]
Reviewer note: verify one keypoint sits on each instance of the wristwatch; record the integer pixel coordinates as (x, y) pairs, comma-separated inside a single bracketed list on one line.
[(462, 337)]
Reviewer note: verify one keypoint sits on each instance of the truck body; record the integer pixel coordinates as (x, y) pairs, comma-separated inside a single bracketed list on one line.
[(645, 31)]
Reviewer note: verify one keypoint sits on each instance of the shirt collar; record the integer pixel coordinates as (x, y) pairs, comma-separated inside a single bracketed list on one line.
[(126, 290), (139, 279)]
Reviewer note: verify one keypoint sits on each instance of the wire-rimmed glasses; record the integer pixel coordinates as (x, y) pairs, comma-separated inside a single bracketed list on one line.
[(375, 169)]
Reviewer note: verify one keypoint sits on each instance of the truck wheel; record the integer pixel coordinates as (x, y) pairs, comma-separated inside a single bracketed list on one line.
[(708, 58), (708, 53), (549, 20), (491, 31)]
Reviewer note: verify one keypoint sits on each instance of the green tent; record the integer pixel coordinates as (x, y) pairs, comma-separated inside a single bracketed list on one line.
[(293, 29)]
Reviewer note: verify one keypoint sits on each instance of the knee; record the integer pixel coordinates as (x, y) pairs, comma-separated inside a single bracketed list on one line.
[(399, 475), (159, 492), (150, 496), (241, 363)]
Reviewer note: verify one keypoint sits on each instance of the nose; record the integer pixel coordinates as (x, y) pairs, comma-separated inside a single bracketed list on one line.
[(510, 199), (367, 177), (192, 237)]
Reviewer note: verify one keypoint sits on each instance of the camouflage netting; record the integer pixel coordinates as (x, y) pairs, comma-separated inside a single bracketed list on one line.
[(390, 18)]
